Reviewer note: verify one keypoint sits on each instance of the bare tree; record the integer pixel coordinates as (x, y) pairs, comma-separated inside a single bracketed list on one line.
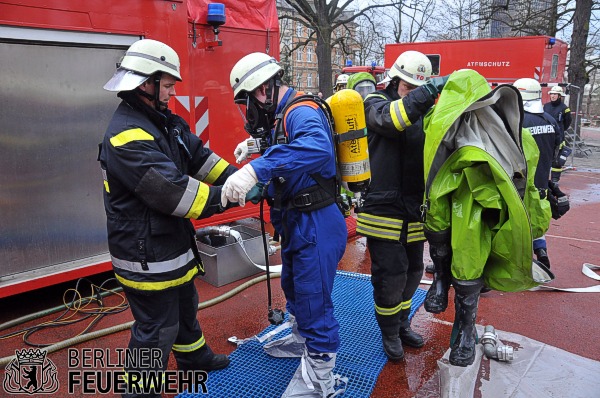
[(323, 18), (577, 64), (457, 20)]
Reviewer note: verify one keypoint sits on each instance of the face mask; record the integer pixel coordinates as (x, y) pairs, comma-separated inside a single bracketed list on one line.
[(257, 121)]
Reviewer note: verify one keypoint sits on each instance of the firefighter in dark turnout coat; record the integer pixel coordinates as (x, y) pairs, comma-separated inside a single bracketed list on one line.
[(390, 217), (156, 176), (562, 114), (547, 135)]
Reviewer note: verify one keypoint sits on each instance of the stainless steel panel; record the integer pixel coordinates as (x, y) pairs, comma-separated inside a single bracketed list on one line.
[(52, 116)]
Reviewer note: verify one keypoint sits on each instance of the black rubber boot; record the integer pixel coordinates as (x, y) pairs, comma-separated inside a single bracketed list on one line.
[(392, 345), (542, 257), (466, 300), (208, 360), (440, 251), (411, 338)]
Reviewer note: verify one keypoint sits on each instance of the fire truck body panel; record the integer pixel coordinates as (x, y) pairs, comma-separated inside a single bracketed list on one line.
[(55, 59), (499, 60)]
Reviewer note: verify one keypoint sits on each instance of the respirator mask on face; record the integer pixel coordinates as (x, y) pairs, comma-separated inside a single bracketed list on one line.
[(258, 122)]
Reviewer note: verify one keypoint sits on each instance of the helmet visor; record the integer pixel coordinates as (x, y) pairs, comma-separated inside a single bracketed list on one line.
[(124, 80), (365, 88)]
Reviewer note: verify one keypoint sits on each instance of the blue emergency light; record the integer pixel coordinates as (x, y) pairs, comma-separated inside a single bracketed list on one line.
[(348, 62), (373, 64), (216, 14), (552, 41)]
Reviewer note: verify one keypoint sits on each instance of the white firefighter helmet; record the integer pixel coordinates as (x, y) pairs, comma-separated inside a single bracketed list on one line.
[(251, 71), (342, 79), (557, 90), (530, 89), (411, 66), (143, 59)]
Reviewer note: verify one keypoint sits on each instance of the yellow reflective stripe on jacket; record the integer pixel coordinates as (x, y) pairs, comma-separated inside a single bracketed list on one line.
[(128, 136), (155, 267), (399, 116), (199, 201), (374, 95), (378, 226), (415, 232), (216, 171), (155, 286), (190, 347), (211, 169)]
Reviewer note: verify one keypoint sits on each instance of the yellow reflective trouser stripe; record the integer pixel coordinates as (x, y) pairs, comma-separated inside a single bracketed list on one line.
[(555, 169), (130, 135), (379, 227), (105, 178), (415, 232), (151, 376), (190, 347), (394, 310), (199, 202), (398, 114), (154, 286), (216, 171)]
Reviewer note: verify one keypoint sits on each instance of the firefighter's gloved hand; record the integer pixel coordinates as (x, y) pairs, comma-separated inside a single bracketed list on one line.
[(435, 85), (255, 194), (241, 151), (559, 202), (237, 186)]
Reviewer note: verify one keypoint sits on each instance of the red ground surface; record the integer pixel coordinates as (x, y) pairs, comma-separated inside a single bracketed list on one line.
[(570, 321)]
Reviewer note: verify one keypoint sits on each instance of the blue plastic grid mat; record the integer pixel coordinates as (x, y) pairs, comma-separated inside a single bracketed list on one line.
[(252, 373)]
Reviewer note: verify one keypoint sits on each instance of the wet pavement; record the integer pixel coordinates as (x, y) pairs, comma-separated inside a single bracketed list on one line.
[(569, 321)]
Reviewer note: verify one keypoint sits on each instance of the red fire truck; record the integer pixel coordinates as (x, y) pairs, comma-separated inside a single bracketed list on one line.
[(500, 60), (378, 72), (56, 55)]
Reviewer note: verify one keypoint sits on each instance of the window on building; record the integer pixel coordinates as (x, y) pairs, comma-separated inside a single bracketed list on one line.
[(309, 81), (309, 54), (554, 68), (299, 52), (299, 29), (298, 81), (338, 57)]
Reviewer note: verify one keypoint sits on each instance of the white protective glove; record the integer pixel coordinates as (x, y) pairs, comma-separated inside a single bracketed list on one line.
[(237, 186), (241, 151)]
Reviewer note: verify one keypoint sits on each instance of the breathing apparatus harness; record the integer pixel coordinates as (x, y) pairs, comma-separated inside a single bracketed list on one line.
[(327, 190)]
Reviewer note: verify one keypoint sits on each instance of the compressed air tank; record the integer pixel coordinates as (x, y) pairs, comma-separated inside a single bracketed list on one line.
[(351, 138)]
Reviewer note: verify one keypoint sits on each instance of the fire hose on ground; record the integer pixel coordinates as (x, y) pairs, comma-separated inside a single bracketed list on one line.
[(219, 230)]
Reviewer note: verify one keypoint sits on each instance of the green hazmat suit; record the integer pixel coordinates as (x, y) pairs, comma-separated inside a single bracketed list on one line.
[(479, 167)]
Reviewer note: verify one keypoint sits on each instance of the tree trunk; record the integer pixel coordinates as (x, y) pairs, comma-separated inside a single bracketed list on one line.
[(324, 57), (577, 72)]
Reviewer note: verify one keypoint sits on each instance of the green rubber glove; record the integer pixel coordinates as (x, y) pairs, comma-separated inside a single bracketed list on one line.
[(435, 85), (254, 195)]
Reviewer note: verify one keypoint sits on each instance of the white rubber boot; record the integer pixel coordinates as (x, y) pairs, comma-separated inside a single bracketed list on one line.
[(290, 346), (314, 378)]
